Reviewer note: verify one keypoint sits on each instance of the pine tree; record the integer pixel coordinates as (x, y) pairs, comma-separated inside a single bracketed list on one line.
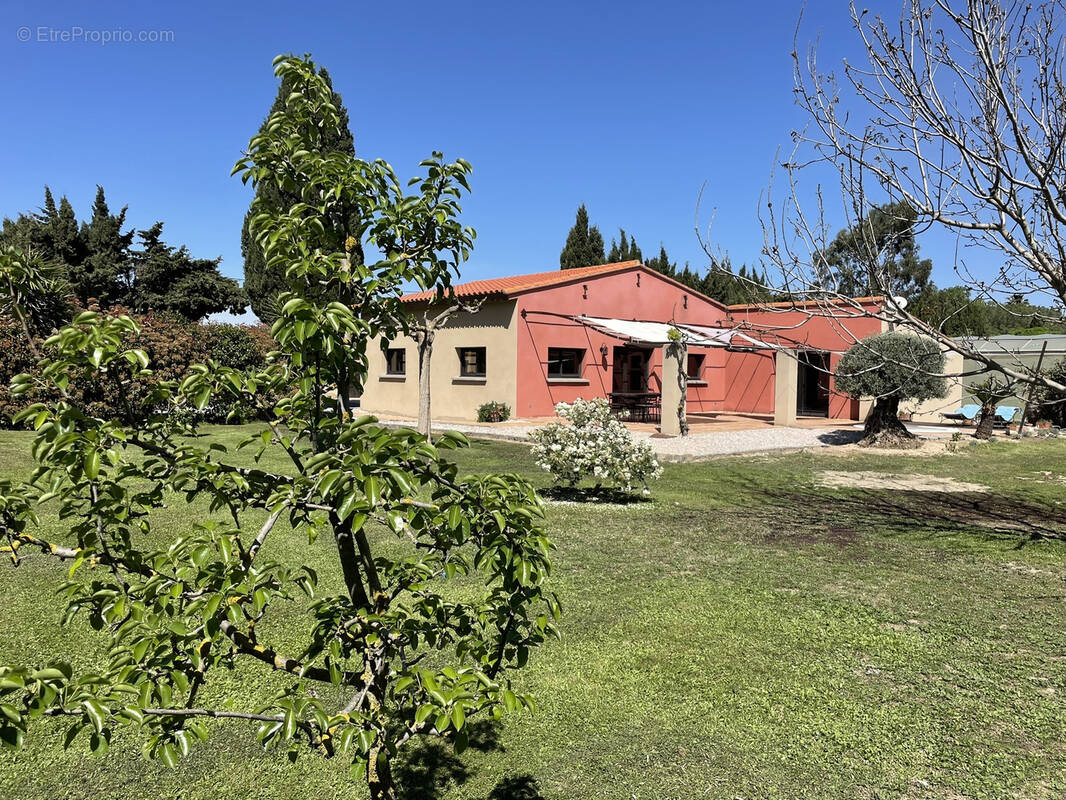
[(108, 255), (878, 254), (31, 231), (584, 245), (164, 278), (262, 283)]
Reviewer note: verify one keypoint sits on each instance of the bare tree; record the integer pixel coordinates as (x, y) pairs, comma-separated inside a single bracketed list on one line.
[(424, 331), (957, 110)]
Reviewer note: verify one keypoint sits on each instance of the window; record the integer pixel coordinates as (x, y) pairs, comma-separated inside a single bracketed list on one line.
[(472, 362), (695, 366), (396, 361), (564, 362)]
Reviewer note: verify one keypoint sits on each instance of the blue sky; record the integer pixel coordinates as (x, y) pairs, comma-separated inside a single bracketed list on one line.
[(626, 107)]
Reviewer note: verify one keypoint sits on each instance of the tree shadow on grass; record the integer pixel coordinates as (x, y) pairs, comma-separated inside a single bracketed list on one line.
[(516, 787), (592, 495), (838, 515), (429, 767)]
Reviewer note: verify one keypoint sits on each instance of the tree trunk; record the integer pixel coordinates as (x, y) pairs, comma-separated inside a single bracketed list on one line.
[(986, 425), (379, 775), (883, 425), (679, 352), (425, 353)]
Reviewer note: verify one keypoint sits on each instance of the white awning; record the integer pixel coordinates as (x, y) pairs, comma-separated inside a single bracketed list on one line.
[(729, 337), (658, 333)]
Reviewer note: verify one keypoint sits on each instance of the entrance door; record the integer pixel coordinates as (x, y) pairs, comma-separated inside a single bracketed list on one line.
[(630, 372), (812, 391)]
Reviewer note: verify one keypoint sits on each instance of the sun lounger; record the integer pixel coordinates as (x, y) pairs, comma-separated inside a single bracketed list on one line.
[(1005, 414), (967, 413)]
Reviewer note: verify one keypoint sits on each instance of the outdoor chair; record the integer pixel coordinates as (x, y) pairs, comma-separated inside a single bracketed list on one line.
[(1005, 415), (650, 409), (967, 413)]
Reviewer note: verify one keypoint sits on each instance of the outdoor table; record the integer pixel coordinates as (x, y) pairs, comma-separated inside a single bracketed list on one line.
[(644, 406)]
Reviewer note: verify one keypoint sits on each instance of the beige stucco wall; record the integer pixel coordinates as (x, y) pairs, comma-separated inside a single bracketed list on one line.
[(494, 327), (930, 410)]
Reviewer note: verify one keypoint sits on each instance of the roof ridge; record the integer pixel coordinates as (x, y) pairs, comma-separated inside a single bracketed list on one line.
[(509, 284)]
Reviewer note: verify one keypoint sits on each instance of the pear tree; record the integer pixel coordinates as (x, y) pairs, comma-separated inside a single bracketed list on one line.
[(442, 577)]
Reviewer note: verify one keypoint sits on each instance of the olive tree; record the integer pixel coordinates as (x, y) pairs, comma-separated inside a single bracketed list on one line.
[(990, 393), (891, 367), (443, 577)]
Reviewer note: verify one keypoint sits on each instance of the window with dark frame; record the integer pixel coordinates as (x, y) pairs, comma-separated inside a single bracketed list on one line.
[(396, 361), (565, 362), (695, 366), (471, 362)]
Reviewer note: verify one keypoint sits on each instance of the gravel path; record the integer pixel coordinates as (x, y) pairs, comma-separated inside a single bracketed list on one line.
[(692, 447), (702, 445)]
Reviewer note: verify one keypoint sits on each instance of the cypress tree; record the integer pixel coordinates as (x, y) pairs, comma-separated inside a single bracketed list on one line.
[(584, 244), (625, 249), (661, 263), (67, 246), (263, 283)]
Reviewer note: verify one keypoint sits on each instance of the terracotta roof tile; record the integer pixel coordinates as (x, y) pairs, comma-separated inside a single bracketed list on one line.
[(516, 284)]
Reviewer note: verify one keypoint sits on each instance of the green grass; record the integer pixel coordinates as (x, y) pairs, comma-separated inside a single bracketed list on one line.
[(745, 634)]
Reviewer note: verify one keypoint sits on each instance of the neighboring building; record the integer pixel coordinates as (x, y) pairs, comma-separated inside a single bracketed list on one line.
[(550, 337), (1014, 352)]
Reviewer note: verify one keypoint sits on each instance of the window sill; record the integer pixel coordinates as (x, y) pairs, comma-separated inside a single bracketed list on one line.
[(575, 381), (474, 379), (394, 378), (692, 382)]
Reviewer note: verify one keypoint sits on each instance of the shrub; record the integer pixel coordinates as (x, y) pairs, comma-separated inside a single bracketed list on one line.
[(15, 358), (595, 446), (493, 412), (240, 347), (170, 342)]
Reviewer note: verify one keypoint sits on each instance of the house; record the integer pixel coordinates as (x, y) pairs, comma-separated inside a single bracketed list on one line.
[(550, 337)]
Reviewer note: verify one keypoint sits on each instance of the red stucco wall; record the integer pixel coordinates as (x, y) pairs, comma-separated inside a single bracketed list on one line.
[(736, 381), (797, 328), (618, 296)]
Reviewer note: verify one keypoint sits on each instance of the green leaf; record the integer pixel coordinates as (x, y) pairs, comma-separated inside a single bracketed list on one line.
[(366, 740), (48, 674), (10, 712), (96, 714), (373, 490), (98, 744), (168, 754), (92, 464)]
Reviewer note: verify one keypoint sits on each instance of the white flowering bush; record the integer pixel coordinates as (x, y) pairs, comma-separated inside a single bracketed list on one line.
[(595, 446)]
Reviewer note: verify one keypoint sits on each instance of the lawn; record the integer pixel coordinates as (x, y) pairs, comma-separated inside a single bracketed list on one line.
[(747, 633)]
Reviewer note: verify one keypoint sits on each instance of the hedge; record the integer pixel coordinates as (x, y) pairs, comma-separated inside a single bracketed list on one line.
[(172, 345)]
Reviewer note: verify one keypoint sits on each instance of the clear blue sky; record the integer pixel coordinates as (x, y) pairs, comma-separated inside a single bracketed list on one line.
[(627, 107)]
